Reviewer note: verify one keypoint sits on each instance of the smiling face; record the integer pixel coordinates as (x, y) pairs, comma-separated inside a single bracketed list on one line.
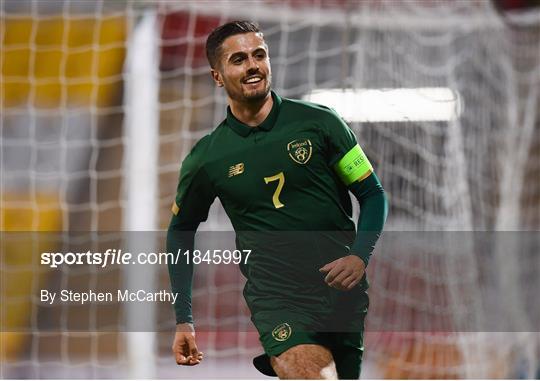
[(243, 67)]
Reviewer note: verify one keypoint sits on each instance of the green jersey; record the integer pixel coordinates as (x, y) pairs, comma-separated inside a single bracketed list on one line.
[(277, 176), (283, 185)]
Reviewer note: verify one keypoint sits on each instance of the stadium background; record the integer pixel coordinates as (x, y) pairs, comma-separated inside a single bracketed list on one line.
[(101, 100)]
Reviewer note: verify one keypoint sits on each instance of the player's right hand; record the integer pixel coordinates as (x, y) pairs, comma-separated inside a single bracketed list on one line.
[(184, 346)]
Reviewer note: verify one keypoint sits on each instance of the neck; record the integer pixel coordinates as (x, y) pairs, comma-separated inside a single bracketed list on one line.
[(252, 113)]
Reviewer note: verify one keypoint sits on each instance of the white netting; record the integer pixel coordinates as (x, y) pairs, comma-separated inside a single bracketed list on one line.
[(64, 137)]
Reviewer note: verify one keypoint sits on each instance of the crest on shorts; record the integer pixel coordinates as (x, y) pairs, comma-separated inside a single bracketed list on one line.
[(300, 150), (282, 332)]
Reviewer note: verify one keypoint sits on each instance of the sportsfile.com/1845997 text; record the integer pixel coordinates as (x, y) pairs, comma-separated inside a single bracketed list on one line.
[(119, 257)]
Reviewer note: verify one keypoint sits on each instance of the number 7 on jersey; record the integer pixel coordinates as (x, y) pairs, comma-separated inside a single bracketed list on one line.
[(280, 178)]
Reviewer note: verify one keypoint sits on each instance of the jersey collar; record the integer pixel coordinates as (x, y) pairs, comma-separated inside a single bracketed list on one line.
[(244, 130)]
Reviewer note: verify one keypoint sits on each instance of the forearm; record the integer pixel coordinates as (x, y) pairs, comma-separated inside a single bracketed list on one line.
[(181, 237), (373, 213)]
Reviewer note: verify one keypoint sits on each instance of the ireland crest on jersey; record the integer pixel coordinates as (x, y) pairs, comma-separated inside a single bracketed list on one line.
[(282, 332), (300, 150)]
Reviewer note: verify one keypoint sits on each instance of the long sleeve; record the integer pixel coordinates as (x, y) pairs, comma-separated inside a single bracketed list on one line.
[(193, 199), (181, 274), (373, 212), (351, 164)]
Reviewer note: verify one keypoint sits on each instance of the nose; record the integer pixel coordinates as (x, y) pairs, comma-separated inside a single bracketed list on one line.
[(253, 65)]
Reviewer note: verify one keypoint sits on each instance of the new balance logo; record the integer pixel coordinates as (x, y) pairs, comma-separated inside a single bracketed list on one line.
[(236, 169)]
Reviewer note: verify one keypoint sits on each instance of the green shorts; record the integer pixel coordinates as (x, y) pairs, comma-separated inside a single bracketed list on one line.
[(282, 329)]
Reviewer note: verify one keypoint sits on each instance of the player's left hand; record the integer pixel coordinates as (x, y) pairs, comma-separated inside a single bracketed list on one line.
[(344, 273)]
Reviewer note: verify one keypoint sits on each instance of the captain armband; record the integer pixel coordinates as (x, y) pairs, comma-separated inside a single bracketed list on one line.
[(353, 166)]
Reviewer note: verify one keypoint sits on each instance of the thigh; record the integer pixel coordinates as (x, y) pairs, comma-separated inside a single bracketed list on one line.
[(305, 361)]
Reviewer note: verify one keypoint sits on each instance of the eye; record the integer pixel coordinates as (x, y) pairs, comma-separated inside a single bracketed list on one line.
[(237, 60), (260, 55)]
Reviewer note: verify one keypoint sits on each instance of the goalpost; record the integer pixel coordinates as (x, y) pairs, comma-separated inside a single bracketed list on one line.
[(141, 182), (102, 100)]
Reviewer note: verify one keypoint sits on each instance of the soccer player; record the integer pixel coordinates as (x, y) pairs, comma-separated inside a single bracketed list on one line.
[(282, 169)]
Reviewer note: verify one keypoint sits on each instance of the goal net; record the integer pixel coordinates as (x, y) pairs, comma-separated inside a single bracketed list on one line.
[(102, 100)]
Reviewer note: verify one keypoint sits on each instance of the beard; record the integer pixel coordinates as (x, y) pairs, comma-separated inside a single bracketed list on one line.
[(250, 96)]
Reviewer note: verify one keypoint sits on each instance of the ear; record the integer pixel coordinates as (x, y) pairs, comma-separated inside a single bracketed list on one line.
[(216, 76)]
